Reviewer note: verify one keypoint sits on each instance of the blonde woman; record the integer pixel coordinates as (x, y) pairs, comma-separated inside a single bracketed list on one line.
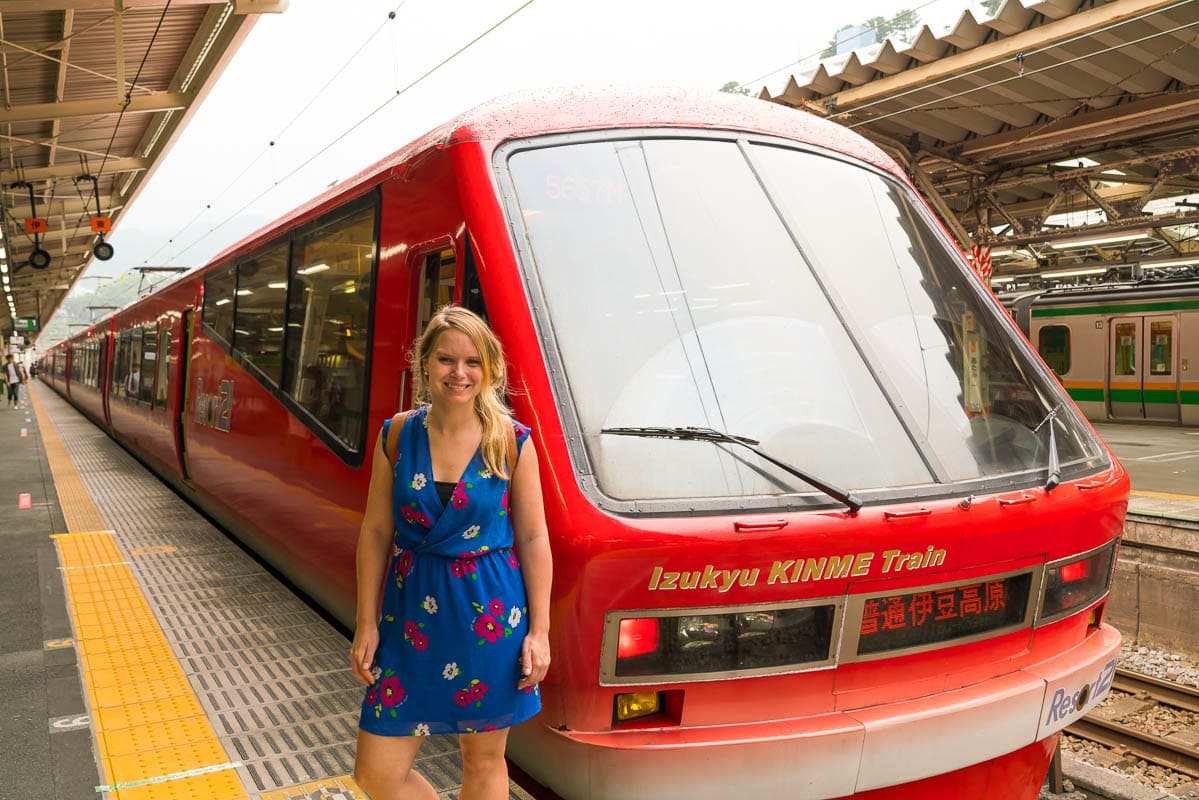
[(454, 532)]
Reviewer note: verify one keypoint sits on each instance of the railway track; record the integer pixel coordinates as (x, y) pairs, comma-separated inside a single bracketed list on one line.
[(1106, 725)]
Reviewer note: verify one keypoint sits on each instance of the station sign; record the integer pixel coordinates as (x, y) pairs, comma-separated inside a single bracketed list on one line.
[(26, 324)]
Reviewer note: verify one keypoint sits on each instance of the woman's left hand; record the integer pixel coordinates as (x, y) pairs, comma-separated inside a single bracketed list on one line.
[(534, 659)]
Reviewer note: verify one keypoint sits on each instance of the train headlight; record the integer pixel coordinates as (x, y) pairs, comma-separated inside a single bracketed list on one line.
[(699, 631), (697, 644), (637, 704), (1076, 582)]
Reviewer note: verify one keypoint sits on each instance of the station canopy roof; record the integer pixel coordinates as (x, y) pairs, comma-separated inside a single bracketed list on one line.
[(1064, 134), (94, 94)]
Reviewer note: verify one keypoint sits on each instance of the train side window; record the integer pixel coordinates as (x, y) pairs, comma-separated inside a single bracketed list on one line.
[(120, 364), (1053, 343), (93, 365), (328, 322), (259, 318), (160, 381), (1126, 348), (219, 288), (76, 364), (438, 276), (133, 380), (149, 362), (1161, 348)]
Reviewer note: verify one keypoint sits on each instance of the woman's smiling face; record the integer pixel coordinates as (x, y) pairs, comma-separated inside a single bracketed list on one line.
[(455, 369)]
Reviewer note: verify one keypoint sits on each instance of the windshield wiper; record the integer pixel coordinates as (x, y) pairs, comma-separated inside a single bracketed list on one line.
[(712, 435), (1055, 468)]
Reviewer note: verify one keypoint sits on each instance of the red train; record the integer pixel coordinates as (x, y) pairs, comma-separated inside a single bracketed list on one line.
[(823, 524)]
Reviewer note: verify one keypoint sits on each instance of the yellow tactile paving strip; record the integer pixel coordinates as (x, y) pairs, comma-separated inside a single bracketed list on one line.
[(342, 788), (1167, 495), (153, 739), (77, 507)]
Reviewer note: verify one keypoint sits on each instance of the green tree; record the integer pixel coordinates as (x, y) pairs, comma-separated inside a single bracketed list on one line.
[(882, 27), (992, 6), (898, 25), (732, 87)]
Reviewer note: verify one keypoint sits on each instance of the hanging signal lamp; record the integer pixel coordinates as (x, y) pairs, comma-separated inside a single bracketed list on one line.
[(36, 226), (100, 224)]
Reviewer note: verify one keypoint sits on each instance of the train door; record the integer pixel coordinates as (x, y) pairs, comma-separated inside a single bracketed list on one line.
[(103, 373), (1142, 374), (182, 385), (437, 277)]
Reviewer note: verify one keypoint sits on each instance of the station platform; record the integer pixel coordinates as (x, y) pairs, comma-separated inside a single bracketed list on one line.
[(143, 654), (1163, 465)]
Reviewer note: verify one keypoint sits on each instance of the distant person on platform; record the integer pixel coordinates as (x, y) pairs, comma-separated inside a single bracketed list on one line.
[(133, 382), (14, 379)]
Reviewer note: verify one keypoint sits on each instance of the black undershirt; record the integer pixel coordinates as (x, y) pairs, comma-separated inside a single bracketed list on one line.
[(445, 490)]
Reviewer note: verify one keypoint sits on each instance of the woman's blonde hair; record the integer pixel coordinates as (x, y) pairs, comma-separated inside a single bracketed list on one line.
[(489, 403)]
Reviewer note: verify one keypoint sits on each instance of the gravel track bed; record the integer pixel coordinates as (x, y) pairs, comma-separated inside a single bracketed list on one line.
[(1158, 720)]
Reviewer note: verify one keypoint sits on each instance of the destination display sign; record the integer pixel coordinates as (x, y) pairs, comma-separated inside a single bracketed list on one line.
[(931, 616)]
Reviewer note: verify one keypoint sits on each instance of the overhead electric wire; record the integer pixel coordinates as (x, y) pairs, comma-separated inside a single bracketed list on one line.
[(355, 53), (356, 125)]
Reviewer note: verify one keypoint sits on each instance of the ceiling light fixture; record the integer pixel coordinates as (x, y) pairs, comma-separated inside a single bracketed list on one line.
[(1070, 273), (1131, 236), (1170, 262)]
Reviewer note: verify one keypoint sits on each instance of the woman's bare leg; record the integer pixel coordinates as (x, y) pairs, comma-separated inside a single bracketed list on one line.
[(383, 768), (484, 770)]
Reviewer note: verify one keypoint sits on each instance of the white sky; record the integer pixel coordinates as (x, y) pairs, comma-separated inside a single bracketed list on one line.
[(221, 167)]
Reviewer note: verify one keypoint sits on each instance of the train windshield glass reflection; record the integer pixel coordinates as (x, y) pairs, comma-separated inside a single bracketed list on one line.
[(694, 282)]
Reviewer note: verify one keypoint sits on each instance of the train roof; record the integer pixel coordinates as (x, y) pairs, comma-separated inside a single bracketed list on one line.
[(562, 110), (1111, 292)]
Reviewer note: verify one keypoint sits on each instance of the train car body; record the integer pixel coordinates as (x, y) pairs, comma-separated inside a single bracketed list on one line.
[(823, 525), (1127, 352)]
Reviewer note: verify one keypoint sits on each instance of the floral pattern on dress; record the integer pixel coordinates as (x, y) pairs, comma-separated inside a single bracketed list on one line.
[(386, 693), (417, 517), (401, 566), (459, 498), (488, 625), (474, 693), (463, 567), (413, 635), (454, 612)]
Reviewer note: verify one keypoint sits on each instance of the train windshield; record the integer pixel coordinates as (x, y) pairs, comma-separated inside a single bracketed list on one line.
[(783, 295)]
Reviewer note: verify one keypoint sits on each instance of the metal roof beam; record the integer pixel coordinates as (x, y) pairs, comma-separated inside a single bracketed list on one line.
[(1155, 115), (1048, 173), (141, 104), (61, 207), (8, 6), (37, 174), (1098, 231), (239, 6)]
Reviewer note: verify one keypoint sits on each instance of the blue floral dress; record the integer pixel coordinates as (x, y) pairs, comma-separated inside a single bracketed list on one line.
[(454, 604)]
